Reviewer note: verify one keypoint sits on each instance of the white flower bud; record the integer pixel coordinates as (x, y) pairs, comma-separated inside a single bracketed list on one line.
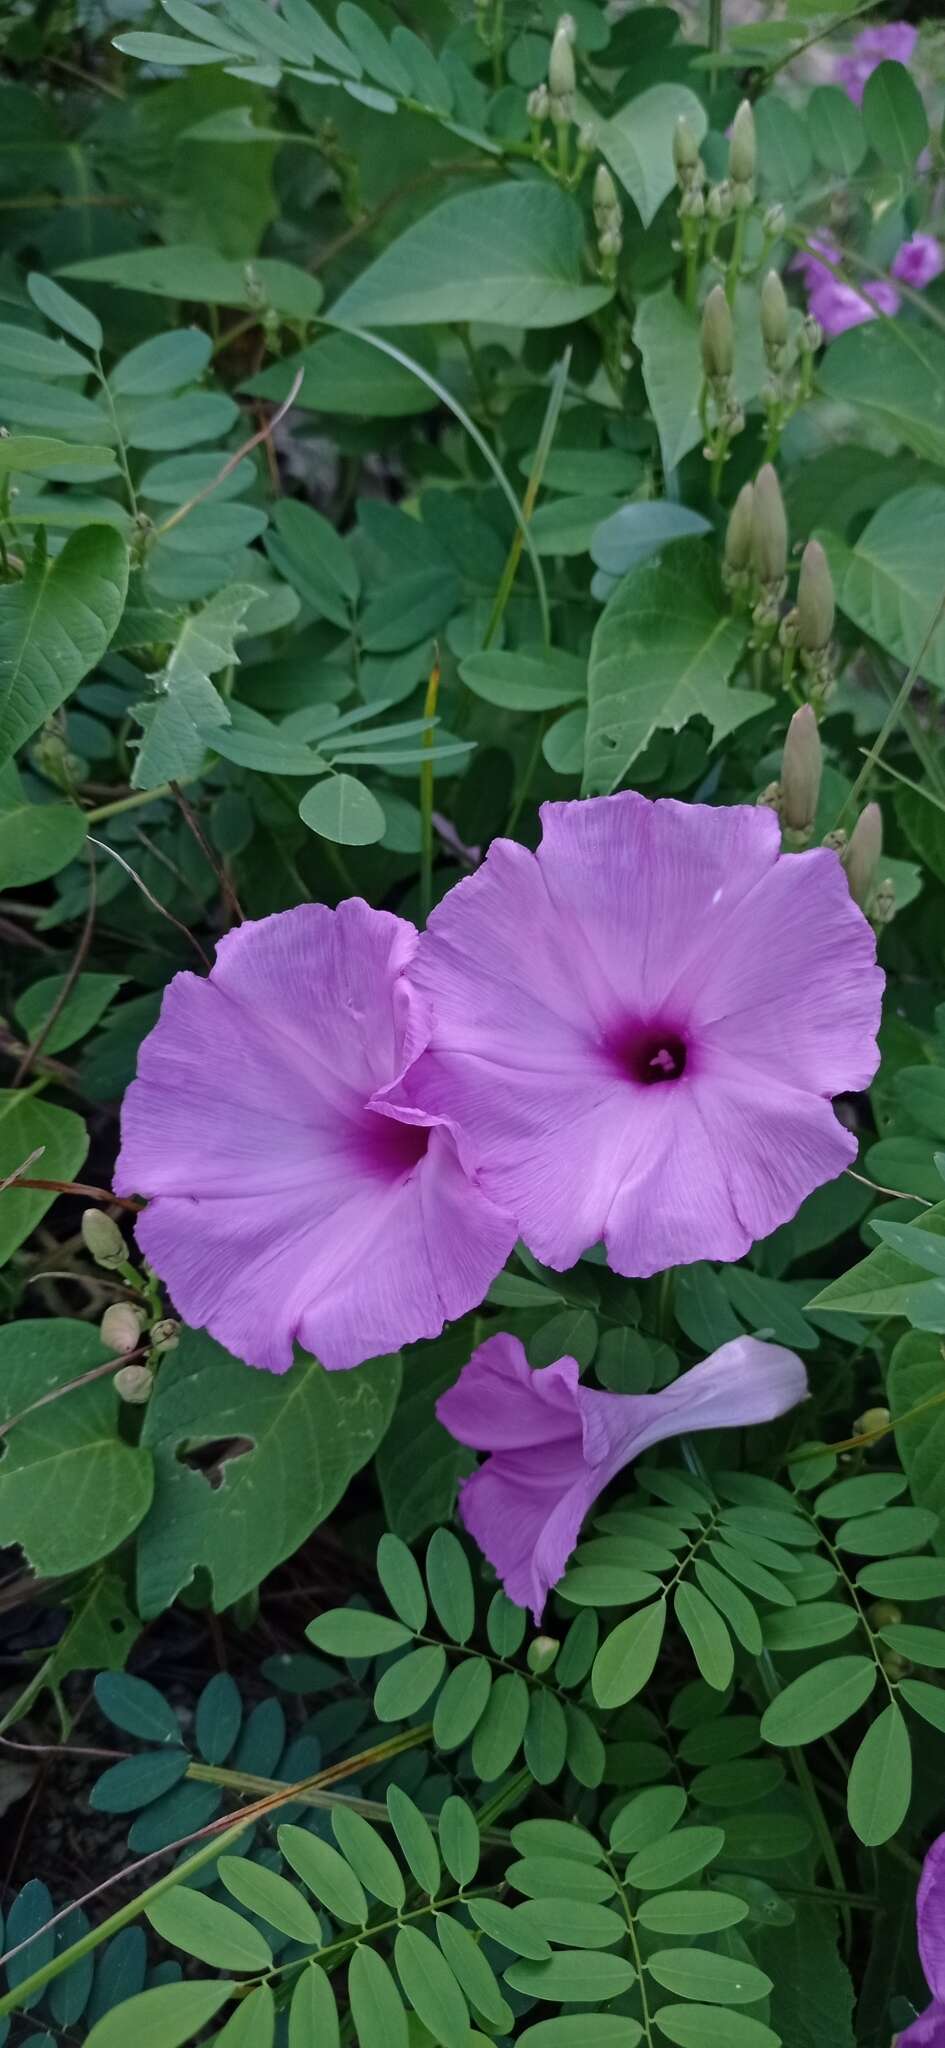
[(103, 1239), (165, 1335), (742, 151), (562, 78), (862, 855), (718, 336), (133, 1383), (119, 1328), (769, 528), (801, 769), (816, 607)]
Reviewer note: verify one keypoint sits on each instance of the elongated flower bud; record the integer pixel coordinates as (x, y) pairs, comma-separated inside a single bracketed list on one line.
[(863, 850), (133, 1383), (741, 152), (739, 531), (562, 78), (801, 769), (774, 312), (606, 201), (816, 608), (769, 534), (685, 147), (719, 202), (718, 336), (102, 1237), (119, 1328), (538, 103)]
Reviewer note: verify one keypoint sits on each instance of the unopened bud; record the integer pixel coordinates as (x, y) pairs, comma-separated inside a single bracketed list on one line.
[(718, 336), (895, 1667), (741, 152), (133, 1383), (774, 312), (606, 201), (812, 334), (692, 204), (816, 608), (871, 1420), (165, 1335), (885, 1614), (537, 104), (769, 534), (566, 26), (836, 840), (801, 768), (586, 138), (743, 196), (685, 146), (562, 78), (610, 241), (774, 222), (541, 1654), (861, 858), (103, 1239), (119, 1328), (719, 202), (739, 531)]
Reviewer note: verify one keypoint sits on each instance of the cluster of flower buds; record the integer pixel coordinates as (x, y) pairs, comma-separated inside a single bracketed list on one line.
[(608, 220), (54, 759)]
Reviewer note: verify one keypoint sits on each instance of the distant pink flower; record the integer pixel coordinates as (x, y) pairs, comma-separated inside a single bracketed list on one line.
[(807, 261), (289, 1200), (918, 261), (639, 1028), (893, 42), (838, 306), (554, 1445), (928, 2031)]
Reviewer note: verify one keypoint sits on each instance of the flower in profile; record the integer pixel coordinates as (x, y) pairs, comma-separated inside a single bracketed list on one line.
[(838, 306), (928, 2031), (918, 261), (639, 1028), (554, 1445), (288, 1199), (892, 41)]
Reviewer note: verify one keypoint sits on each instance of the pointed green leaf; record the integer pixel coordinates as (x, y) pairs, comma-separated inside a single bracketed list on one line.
[(819, 1700)]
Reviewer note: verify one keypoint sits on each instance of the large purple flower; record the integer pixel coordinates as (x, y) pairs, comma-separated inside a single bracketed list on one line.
[(554, 1445), (928, 2031), (837, 306), (290, 1200), (892, 41), (638, 1030)]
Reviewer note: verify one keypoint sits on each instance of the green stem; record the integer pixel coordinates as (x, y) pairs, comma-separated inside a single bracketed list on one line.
[(119, 437), (135, 802), (735, 257), (635, 1949), (123, 1918)]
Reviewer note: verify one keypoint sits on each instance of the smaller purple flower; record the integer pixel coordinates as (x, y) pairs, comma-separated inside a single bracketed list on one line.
[(813, 271), (838, 306), (928, 2031), (918, 261), (554, 1445), (893, 42)]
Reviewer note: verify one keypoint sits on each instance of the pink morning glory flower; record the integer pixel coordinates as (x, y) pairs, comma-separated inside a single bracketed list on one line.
[(928, 2031), (554, 1445), (639, 1028), (838, 306), (918, 261), (288, 1199), (893, 41)]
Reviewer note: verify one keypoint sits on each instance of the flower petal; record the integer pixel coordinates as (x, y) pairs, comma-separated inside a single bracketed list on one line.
[(930, 1918), (743, 1382), (928, 2031), (806, 1009), (737, 1156), (352, 1272)]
